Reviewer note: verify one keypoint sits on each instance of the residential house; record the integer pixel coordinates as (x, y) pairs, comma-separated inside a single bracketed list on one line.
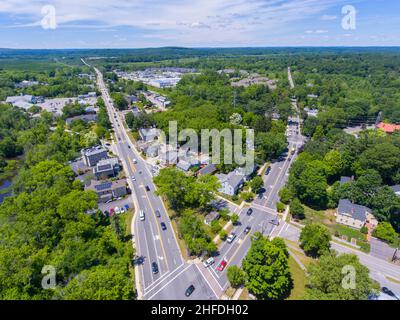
[(210, 217), (396, 189), (345, 179), (83, 117), (108, 190), (231, 182), (354, 215), (93, 155), (151, 151), (186, 163), (246, 172), (149, 134), (107, 168), (208, 169), (168, 157), (388, 127)]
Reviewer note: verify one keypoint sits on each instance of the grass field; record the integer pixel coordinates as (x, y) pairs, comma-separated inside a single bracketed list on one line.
[(299, 280)]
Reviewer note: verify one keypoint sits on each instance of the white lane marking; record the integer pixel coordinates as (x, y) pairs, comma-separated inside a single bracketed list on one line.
[(207, 281), (169, 282), (161, 279)]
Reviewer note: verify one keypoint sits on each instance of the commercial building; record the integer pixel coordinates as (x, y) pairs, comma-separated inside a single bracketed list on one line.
[(93, 155), (108, 190), (107, 168)]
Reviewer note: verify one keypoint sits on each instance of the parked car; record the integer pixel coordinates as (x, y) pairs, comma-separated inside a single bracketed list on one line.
[(126, 207), (249, 211), (157, 212), (247, 230), (134, 160), (154, 267), (208, 262), (133, 178), (147, 188), (222, 265), (117, 210), (268, 170), (163, 226), (112, 212), (231, 237), (189, 290)]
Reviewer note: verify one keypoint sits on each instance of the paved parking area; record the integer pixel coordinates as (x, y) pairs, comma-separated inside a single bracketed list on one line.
[(381, 249), (117, 203)]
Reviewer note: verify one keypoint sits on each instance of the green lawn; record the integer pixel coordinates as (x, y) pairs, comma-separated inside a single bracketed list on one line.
[(299, 280)]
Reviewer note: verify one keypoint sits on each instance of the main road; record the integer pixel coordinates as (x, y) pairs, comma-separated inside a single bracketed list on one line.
[(153, 245)]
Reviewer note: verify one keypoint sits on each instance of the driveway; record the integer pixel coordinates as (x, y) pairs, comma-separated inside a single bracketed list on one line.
[(381, 249)]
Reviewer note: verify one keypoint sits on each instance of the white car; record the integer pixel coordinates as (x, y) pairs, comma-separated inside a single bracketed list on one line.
[(133, 178), (141, 215), (208, 262), (231, 237), (134, 161), (117, 210)]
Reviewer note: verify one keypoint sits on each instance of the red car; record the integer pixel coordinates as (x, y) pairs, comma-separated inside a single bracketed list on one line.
[(112, 212), (222, 265)]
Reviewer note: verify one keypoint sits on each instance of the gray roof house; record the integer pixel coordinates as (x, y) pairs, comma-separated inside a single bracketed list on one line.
[(396, 189), (246, 172), (208, 169), (83, 117), (151, 151), (169, 157), (231, 182), (353, 215), (107, 168), (148, 134), (345, 179), (210, 217)]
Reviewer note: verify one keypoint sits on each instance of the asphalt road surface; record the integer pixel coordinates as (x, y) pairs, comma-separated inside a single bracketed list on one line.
[(152, 243)]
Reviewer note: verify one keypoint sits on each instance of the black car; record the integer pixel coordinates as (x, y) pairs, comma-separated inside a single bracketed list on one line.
[(249, 211), (147, 188), (246, 231), (163, 226), (154, 268), (157, 212), (189, 290)]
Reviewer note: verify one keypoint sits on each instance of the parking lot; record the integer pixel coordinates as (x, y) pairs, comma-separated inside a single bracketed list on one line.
[(117, 203)]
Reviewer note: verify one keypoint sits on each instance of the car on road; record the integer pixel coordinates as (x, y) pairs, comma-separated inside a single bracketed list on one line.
[(147, 188), (129, 146), (274, 221), (163, 226), (249, 211), (231, 237), (154, 268), (141, 215), (247, 230), (208, 262), (158, 214), (222, 265), (133, 178), (126, 207), (268, 170), (189, 290), (134, 160)]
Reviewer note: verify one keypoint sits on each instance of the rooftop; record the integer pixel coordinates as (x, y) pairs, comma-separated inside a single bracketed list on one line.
[(358, 212), (388, 127)]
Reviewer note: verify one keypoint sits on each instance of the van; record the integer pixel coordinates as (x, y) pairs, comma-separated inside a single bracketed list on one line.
[(141, 215)]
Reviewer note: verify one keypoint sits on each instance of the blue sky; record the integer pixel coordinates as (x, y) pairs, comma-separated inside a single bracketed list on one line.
[(195, 23)]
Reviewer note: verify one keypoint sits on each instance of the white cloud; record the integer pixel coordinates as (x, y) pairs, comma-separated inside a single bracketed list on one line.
[(188, 21), (327, 17)]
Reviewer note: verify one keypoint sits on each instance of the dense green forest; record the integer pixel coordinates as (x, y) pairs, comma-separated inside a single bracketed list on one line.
[(46, 221)]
